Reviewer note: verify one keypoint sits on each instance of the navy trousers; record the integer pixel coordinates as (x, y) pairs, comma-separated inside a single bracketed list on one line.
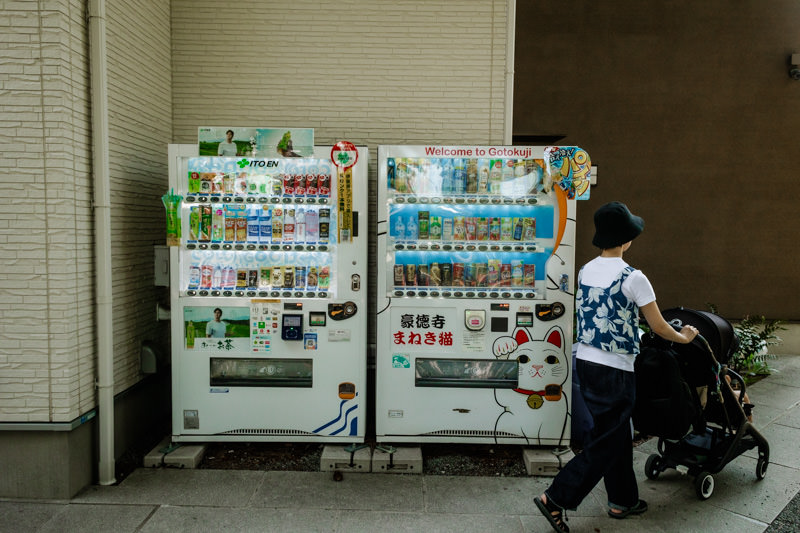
[(609, 394)]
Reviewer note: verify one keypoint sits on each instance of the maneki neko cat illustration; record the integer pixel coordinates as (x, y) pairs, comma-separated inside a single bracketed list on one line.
[(538, 408)]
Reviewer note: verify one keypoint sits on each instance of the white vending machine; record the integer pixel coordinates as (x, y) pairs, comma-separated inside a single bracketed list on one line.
[(476, 280), (268, 296)]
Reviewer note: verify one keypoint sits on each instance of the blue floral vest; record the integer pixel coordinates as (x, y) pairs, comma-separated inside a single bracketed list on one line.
[(607, 319)]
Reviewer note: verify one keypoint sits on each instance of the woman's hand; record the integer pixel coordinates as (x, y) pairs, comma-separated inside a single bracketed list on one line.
[(688, 333)]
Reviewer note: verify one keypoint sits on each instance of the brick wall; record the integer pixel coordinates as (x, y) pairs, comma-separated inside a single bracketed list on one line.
[(47, 323)]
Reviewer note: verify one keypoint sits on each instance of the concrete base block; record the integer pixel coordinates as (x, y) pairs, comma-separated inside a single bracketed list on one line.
[(545, 461), (405, 460), (179, 456), (337, 458)]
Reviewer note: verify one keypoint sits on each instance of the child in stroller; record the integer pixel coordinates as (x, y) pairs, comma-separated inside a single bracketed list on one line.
[(686, 397)]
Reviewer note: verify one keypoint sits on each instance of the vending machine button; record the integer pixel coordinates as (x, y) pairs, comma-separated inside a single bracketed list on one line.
[(423, 293)]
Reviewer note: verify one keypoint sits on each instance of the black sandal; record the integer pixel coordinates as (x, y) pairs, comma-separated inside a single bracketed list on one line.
[(639, 508), (554, 514)]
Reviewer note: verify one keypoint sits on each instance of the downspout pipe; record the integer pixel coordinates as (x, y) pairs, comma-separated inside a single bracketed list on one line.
[(102, 239), (508, 123)]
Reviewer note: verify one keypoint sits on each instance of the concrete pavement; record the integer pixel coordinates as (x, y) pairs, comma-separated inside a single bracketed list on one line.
[(163, 499)]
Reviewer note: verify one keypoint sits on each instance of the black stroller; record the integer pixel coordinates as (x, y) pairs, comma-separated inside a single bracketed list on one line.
[(712, 407)]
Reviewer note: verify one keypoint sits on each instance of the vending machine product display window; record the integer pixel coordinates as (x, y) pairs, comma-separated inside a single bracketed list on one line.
[(270, 255), (475, 297)]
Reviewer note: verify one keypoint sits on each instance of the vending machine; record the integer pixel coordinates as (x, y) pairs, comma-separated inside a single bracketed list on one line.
[(476, 280), (268, 296)]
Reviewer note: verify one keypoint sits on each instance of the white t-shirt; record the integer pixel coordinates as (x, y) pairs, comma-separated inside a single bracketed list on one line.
[(601, 272), (216, 329), (227, 149)]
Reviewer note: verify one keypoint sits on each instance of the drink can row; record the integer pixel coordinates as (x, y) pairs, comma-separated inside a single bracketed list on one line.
[(490, 274)]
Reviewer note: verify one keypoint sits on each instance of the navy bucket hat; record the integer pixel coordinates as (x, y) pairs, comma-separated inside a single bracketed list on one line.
[(615, 225)]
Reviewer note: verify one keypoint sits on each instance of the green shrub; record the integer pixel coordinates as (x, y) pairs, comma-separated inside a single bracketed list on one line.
[(756, 336)]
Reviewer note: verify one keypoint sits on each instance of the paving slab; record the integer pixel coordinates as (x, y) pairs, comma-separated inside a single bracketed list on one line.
[(27, 516), (172, 519), (318, 490), (790, 418), (170, 486), (415, 522), (82, 518), (768, 392)]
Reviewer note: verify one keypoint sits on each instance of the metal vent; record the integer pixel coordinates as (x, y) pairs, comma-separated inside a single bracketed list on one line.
[(265, 432), (470, 433)]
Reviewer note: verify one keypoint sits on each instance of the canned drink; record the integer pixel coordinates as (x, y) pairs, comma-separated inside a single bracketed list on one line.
[(516, 272), (435, 275), (447, 229), (447, 275), (506, 228), (252, 279), (241, 278), (411, 275), (458, 275), (277, 277), (459, 229), (204, 235), (324, 278), (399, 276), (481, 275), (277, 185), (505, 275), (288, 181), (495, 227), (311, 180), (241, 227), (517, 235), (423, 276), (494, 272), (482, 229), (424, 220), (228, 182), (288, 277), (472, 176), (313, 277), (264, 277), (324, 224), (300, 277), (528, 229), (206, 273), (529, 276), (470, 229), (324, 180), (469, 274), (230, 225), (299, 181)]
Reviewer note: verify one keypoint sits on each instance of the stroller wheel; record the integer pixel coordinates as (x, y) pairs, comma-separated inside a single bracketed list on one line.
[(652, 468), (761, 467), (704, 485)]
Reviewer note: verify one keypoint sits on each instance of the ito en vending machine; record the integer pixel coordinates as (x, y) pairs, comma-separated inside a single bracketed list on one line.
[(475, 292), (268, 304)]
